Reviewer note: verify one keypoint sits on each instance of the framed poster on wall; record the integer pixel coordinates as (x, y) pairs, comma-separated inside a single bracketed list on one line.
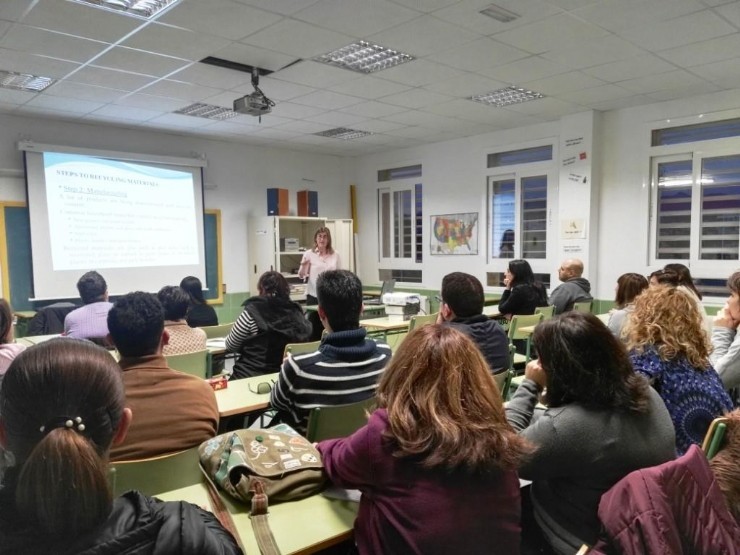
[(454, 234)]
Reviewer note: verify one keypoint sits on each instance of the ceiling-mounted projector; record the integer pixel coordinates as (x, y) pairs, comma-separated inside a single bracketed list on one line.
[(255, 104)]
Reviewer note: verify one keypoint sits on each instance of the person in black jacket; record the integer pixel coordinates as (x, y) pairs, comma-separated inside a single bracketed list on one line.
[(462, 308), (523, 294), (200, 313), (62, 405)]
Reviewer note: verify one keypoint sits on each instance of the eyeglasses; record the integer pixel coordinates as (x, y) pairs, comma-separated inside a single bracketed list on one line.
[(262, 388)]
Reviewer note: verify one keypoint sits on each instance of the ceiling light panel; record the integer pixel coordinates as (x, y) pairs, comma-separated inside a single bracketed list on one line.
[(207, 111), (500, 14), (137, 8), (364, 57), (343, 133), (24, 81), (507, 96)]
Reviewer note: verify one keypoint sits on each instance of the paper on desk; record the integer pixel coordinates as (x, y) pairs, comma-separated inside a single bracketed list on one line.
[(216, 342), (334, 492)]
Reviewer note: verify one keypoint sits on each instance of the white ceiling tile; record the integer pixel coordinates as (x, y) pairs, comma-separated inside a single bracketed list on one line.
[(282, 90), (528, 69), (4, 26), (418, 117), (10, 96), (179, 120), (718, 71), (372, 109), (620, 103), (555, 33), (82, 21), (731, 12), (35, 65), (314, 74), (298, 39), (623, 15), (595, 52), (212, 76), (565, 82), (275, 133), (337, 119), (285, 7), (127, 113), (426, 6), (327, 100), (269, 120), (466, 84), (65, 104), (173, 41), (410, 132), (647, 64), (420, 72), (222, 18), (54, 114), (151, 102), (378, 126), (228, 127), (423, 36), (467, 109), (301, 126), (12, 10), (85, 92), (479, 54), (694, 89), (297, 111), (369, 87), (467, 14), (254, 56), (359, 18), (138, 61), (46, 43), (546, 108), (596, 94), (678, 31), (573, 4), (7, 108), (706, 52), (660, 82), (416, 98), (177, 89), (101, 77)]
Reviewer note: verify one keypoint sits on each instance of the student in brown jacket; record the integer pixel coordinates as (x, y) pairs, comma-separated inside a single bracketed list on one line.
[(173, 411)]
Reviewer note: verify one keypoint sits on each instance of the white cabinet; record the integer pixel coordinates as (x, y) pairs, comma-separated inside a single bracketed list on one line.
[(278, 243)]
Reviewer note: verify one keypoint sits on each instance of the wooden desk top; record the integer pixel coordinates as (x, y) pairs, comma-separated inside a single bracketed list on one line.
[(35, 339), (491, 311), (300, 527), (238, 399), (385, 323)]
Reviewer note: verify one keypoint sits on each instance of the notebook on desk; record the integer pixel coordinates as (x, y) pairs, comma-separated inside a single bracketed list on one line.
[(388, 286)]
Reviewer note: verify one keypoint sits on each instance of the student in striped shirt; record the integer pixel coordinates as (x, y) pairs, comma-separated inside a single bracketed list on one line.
[(347, 365)]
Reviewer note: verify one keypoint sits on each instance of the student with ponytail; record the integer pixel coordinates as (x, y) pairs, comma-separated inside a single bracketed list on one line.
[(62, 407)]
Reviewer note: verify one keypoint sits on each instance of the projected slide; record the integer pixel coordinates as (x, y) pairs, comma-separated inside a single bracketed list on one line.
[(116, 214)]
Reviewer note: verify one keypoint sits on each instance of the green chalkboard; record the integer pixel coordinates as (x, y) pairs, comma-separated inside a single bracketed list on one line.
[(15, 255)]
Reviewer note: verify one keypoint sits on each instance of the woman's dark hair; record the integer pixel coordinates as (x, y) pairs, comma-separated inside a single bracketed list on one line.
[(273, 284), (61, 477), (175, 301), (665, 277), (684, 277), (522, 272), (194, 287), (6, 321), (586, 364), (628, 287)]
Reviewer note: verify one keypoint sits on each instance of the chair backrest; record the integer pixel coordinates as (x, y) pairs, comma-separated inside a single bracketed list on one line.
[(423, 320), (301, 348), (339, 421), (522, 321), (222, 330), (583, 306), (158, 474), (546, 311), (503, 381), (714, 436), (190, 363)]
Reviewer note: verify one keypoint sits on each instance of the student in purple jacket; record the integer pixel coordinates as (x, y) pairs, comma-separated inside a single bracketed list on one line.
[(436, 462)]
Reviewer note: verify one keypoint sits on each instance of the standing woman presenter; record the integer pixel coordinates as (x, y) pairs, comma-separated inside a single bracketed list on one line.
[(319, 259)]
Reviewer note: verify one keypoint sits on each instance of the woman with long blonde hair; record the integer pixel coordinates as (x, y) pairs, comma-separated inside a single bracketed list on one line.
[(667, 344), (437, 460)]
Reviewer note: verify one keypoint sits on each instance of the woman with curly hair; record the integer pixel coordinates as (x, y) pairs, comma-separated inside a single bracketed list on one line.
[(436, 462), (667, 344), (602, 421)]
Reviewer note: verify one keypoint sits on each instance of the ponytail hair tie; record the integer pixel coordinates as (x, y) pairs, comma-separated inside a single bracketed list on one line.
[(73, 423)]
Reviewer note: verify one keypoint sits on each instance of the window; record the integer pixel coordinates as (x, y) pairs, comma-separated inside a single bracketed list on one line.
[(400, 215), (405, 276), (696, 198), (519, 205)]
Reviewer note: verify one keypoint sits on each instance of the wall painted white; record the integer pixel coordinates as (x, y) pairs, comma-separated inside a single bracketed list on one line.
[(239, 172)]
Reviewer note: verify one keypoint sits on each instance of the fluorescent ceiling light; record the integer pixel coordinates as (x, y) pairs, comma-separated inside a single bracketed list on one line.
[(137, 8), (500, 14), (506, 96), (364, 57), (24, 81), (343, 133), (208, 111)]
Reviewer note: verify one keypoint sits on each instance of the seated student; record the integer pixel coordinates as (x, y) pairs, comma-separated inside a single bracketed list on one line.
[(602, 421), (523, 293), (347, 365), (8, 348), (200, 313), (725, 337), (436, 463), (182, 338), (90, 321), (462, 308), (268, 322), (628, 287), (667, 345), (575, 288), (62, 406), (174, 411)]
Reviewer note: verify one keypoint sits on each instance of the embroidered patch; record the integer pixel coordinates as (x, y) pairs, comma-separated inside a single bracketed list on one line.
[(292, 463), (212, 445), (309, 458)]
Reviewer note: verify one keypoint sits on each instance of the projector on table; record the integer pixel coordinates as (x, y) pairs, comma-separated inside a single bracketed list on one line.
[(401, 305), (255, 104)]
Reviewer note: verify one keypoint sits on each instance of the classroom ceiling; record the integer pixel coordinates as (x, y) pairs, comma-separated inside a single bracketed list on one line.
[(581, 54)]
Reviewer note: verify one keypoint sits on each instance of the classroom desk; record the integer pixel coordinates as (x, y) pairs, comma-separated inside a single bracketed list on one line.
[(365, 308), (35, 339), (300, 527), (237, 398), (491, 311), (386, 324), (216, 345)]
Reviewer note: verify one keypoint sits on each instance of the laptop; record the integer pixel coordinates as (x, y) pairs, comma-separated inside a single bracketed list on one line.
[(388, 286)]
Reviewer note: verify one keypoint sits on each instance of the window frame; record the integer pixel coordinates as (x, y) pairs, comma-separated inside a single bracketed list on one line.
[(415, 261)]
